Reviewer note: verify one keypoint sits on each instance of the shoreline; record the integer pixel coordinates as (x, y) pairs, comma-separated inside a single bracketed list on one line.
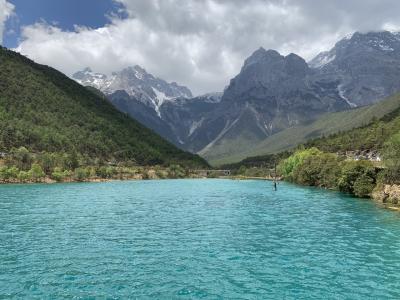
[(386, 196), (139, 177), (265, 178), (382, 196), (50, 181)]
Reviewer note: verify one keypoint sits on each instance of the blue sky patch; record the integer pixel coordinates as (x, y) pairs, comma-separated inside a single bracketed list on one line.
[(63, 13)]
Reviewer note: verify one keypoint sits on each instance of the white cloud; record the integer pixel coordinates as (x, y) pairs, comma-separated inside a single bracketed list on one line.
[(6, 10), (202, 43)]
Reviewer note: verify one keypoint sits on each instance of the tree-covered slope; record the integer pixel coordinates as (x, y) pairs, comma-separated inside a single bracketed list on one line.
[(369, 137), (372, 136), (364, 161), (287, 139), (43, 110)]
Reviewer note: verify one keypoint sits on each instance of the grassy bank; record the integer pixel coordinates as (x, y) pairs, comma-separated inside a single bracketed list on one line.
[(22, 166), (93, 174)]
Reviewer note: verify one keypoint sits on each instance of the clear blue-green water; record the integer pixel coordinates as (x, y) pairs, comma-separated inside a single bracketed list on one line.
[(192, 239)]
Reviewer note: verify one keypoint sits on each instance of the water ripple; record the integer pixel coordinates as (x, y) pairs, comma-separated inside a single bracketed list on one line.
[(194, 239)]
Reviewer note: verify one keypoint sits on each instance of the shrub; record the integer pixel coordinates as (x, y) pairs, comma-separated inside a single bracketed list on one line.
[(391, 155), (352, 171), (21, 158), (318, 169), (162, 174), (58, 175), (288, 166), (363, 186), (176, 171), (106, 172), (23, 176), (47, 161), (315, 168), (81, 174), (8, 173), (36, 172)]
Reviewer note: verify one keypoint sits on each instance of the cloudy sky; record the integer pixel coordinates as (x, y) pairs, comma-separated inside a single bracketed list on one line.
[(198, 43)]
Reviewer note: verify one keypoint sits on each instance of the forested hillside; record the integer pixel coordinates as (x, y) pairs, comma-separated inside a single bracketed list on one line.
[(44, 111), (357, 161), (370, 137)]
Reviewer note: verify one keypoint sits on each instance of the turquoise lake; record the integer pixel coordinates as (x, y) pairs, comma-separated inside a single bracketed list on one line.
[(194, 239)]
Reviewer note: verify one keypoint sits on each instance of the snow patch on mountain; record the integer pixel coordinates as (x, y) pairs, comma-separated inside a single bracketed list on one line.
[(322, 60), (195, 125), (381, 44), (160, 99), (348, 36), (342, 95), (386, 48), (211, 97)]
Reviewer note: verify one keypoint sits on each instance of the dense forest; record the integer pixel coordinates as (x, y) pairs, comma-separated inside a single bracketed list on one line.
[(57, 123), (369, 137)]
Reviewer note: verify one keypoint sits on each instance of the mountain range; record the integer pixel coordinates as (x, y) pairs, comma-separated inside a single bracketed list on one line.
[(271, 94)]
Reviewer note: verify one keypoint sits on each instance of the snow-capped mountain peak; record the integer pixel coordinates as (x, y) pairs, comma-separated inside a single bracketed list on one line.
[(137, 83), (87, 77), (380, 43)]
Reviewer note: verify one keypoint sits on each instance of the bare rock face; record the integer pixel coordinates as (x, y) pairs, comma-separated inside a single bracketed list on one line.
[(388, 194), (272, 92), (366, 66)]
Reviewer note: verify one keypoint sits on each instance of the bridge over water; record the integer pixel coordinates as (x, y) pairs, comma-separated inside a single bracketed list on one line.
[(208, 173)]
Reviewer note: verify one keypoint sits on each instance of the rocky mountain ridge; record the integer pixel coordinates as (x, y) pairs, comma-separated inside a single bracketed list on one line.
[(272, 92), (136, 82), (366, 66)]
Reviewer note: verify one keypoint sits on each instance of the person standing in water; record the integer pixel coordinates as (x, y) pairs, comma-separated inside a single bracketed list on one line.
[(274, 184)]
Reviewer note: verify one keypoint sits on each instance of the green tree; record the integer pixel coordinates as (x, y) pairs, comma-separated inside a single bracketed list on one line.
[(289, 165), (391, 155), (318, 169), (21, 158), (58, 175), (47, 161), (352, 171), (36, 172), (7, 173), (105, 172), (81, 174), (363, 186), (23, 176), (176, 171)]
